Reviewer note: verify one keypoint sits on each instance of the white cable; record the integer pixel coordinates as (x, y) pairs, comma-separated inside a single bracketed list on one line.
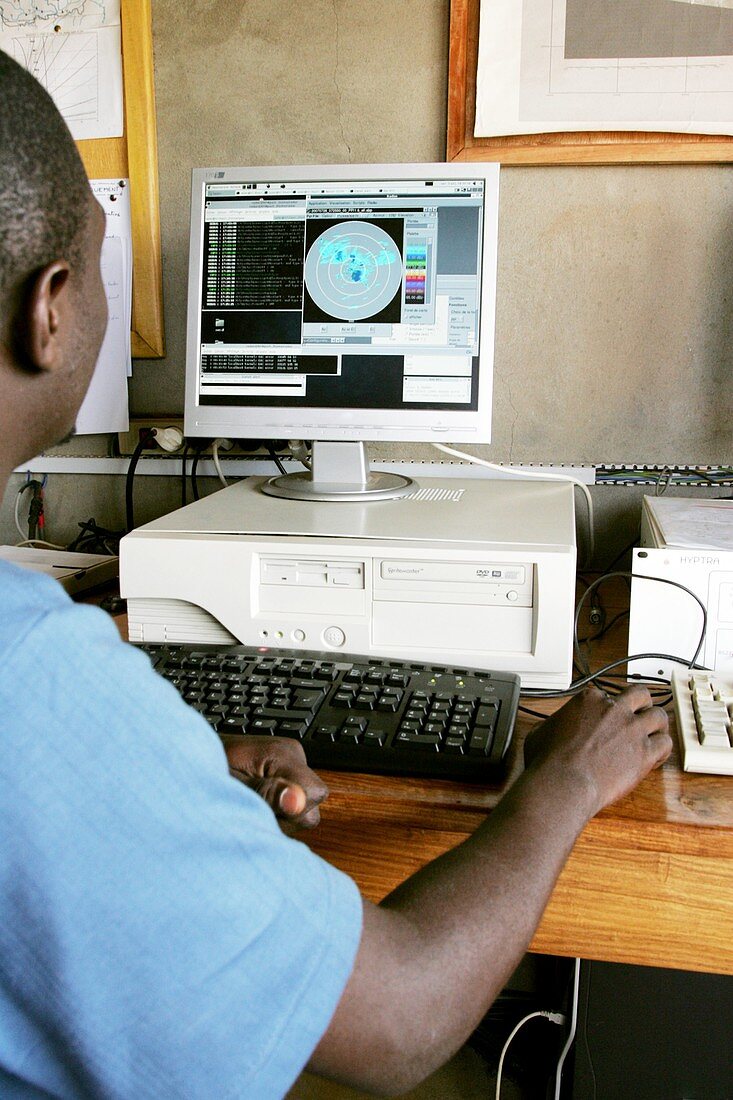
[(542, 476), (556, 1017), (571, 1033), (23, 534), (217, 464), (299, 451), (36, 543)]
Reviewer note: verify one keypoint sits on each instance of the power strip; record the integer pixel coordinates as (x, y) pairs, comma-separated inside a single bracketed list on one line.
[(128, 441)]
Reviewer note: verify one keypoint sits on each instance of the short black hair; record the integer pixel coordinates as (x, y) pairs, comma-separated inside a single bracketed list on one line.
[(43, 186)]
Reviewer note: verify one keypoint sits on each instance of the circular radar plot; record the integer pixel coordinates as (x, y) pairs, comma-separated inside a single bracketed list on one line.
[(353, 270)]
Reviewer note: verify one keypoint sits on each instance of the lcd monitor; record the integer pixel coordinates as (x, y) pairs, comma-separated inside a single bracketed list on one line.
[(339, 305)]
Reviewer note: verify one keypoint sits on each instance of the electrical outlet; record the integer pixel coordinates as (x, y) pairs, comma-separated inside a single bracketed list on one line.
[(129, 440)]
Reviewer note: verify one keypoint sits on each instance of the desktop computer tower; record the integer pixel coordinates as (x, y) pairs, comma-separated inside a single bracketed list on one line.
[(651, 1034), (474, 572)]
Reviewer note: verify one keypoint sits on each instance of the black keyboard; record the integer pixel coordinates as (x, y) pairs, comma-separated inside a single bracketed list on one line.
[(353, 713)]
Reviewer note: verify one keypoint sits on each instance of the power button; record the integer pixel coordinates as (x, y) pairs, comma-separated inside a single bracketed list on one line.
[(334, 636)]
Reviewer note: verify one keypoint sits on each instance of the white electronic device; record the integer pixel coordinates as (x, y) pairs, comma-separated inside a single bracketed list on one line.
[(474, 572), (76, 572), (683, 544), (703, 703)]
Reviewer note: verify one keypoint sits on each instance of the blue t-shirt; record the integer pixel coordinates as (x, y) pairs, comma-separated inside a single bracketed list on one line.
[(159, 936)]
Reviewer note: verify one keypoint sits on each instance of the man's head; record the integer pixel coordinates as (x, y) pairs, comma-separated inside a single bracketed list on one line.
[(52, 306)]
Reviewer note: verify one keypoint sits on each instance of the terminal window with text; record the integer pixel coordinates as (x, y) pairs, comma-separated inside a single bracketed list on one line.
[(342, 302)]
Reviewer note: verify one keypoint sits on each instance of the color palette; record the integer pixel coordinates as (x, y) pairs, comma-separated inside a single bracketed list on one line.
[(416, 274)]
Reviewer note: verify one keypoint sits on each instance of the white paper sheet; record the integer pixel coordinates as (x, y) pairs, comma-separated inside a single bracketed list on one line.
[(105, 407), (73, 47), (692, 523), (562, 65)]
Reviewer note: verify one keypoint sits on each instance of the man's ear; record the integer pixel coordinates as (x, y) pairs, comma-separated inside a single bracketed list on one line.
[(39, 331)]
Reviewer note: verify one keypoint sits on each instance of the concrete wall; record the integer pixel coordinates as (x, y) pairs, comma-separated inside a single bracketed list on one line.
[(615, 293)]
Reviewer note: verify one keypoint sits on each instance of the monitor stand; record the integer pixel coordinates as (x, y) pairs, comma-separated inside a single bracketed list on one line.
[(339, 471)]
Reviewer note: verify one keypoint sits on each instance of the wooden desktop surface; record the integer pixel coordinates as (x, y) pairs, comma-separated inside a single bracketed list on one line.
[(650, 880)]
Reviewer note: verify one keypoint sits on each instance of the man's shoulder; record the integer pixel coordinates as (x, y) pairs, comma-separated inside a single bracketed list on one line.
[(37, 613), (26, 597)]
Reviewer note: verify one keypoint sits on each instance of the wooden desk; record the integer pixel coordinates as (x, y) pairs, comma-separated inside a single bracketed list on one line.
[(650, 880)]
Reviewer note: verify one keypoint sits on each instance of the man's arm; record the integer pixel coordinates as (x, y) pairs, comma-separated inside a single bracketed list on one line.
[(438, 950)]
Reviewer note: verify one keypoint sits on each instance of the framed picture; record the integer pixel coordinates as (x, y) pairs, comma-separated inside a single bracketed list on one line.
[(577, 146)]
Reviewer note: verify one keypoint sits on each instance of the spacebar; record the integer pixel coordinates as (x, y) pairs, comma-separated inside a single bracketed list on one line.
[(304, 715)]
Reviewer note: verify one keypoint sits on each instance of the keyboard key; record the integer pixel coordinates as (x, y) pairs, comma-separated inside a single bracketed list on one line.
[(419, 741), (233, 726), (327, 732), (354, 723), (306, 700), (290, 728), (487, 716), (343, 698), (480, 742), (410, 726), (263, 726)]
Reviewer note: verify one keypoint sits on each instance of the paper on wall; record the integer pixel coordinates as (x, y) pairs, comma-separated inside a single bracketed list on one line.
[(73, 47), (105, 407)]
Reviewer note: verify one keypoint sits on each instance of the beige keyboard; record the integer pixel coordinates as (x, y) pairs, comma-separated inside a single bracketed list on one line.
[(703, 703)]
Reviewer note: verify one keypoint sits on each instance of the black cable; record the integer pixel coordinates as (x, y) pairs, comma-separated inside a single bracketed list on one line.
[(275, 458), (604, 629), (145, 440), (194, 482), (532, 713), (198, 446), (94, 539), (184, 500), (622, 553), (596, 612), (35, 509), (582, 662), (578, 685)]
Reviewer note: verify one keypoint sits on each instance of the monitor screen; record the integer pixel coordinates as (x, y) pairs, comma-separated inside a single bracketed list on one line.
[(351, 302)]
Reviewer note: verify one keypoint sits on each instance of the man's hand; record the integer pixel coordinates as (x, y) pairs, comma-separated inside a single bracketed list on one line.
[(276, 768), (608, 743)]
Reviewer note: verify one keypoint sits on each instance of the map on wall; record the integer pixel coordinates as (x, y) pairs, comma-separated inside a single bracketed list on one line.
[(562, 65), (73, 48)]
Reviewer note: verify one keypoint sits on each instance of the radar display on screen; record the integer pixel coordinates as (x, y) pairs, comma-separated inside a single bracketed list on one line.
[(353, 270)]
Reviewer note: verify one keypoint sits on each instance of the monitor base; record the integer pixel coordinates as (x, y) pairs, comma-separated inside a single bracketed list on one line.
[(340, 471), (301, 486)]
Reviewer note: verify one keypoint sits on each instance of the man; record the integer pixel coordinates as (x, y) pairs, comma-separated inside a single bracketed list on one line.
[(159, 935)]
